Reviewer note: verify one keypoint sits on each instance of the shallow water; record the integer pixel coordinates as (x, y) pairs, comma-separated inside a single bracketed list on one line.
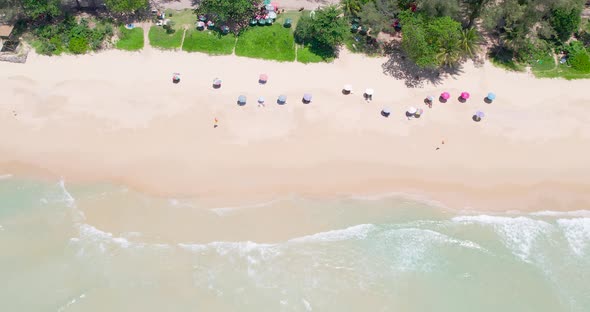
[(106, 248)]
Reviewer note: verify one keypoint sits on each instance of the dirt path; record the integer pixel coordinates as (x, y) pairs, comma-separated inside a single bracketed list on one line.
[(183, 36), (146, 29)]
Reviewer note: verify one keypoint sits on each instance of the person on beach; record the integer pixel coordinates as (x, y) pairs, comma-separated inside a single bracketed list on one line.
[(215, 122)]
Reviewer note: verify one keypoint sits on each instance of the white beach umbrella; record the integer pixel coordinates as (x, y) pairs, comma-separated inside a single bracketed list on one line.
[(369, 91), (412, 110), (347, 88)]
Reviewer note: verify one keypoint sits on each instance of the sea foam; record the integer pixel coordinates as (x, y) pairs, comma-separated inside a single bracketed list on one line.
[(577, 233), (518, 233), (354, 232)]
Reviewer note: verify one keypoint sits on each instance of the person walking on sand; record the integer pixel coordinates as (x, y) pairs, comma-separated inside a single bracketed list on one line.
[(215, 122)]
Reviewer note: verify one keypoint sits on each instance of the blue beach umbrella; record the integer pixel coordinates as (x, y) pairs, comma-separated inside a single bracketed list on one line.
[(242, 100), (491, 96), (282, 99), (307, 97)]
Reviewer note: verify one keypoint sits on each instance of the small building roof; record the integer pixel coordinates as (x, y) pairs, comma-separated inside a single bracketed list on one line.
[(5, 30)]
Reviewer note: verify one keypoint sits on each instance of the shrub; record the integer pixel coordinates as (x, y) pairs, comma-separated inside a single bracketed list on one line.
[(565, 22), (46, 48), (78, 45), (580, 61)]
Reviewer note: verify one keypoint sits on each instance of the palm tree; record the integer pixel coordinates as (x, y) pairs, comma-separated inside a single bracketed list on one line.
[(468, 44), (448, 56), (352, 7)]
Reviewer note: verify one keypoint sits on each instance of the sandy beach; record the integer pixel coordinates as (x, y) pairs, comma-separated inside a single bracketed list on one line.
[(116, 117)]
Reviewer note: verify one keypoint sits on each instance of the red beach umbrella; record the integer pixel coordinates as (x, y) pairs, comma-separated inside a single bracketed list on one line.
[(445, 95)]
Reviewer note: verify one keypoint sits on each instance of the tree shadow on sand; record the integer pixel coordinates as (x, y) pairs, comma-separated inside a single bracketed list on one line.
[(401, 67)]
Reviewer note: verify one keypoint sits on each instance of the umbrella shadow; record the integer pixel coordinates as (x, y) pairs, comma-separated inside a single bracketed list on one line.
[(461, 99), (241, 103), (487, 100), (345, 92), (442, 99), (476, 118), (399, 66), (216, 86), (428, 102), (262, 82), (304, 101), (385, 114)]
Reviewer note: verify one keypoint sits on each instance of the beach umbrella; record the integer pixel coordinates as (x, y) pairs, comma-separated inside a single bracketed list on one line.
[(242, 100), (347, 88), (412, 110), (445, 95), (282, 99), (491, 96), (263, 78), (478, 116), (216, 83), (269, 7), (369, 92), (261, 100), (272, 15), (430, 98), (418, 113), (385, 112), (307, 97), (465, 95)]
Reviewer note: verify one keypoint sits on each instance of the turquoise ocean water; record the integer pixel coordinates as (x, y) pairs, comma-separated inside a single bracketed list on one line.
[(105, 248)]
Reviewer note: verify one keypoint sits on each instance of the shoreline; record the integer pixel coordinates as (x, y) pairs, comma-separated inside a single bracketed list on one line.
[(527, 154)]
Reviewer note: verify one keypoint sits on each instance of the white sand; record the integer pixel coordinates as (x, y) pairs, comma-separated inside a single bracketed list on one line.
[(116, 116)]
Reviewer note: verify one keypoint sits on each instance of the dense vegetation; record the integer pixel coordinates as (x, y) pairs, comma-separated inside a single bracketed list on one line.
[(232, 13), (323, 31), (54, 30), (71, 36), (443, 33)]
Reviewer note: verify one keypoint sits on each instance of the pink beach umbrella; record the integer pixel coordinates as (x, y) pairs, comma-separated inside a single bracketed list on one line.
[(465, 95), (445, 95), (263, 78)]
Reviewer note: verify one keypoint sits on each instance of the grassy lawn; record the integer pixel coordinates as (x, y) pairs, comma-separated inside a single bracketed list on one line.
[(504, 59), (160, 39), (267, 42), (181, 18), (305, 56), (293, 15), (209, 42), (130, 39), (560, 71)]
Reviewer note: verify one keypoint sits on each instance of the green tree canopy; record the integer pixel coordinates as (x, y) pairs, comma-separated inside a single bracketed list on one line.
[(234, 13), (126, 6), (324, 30), (432, 42), (379, 15), (565, 22), (41, 9)]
